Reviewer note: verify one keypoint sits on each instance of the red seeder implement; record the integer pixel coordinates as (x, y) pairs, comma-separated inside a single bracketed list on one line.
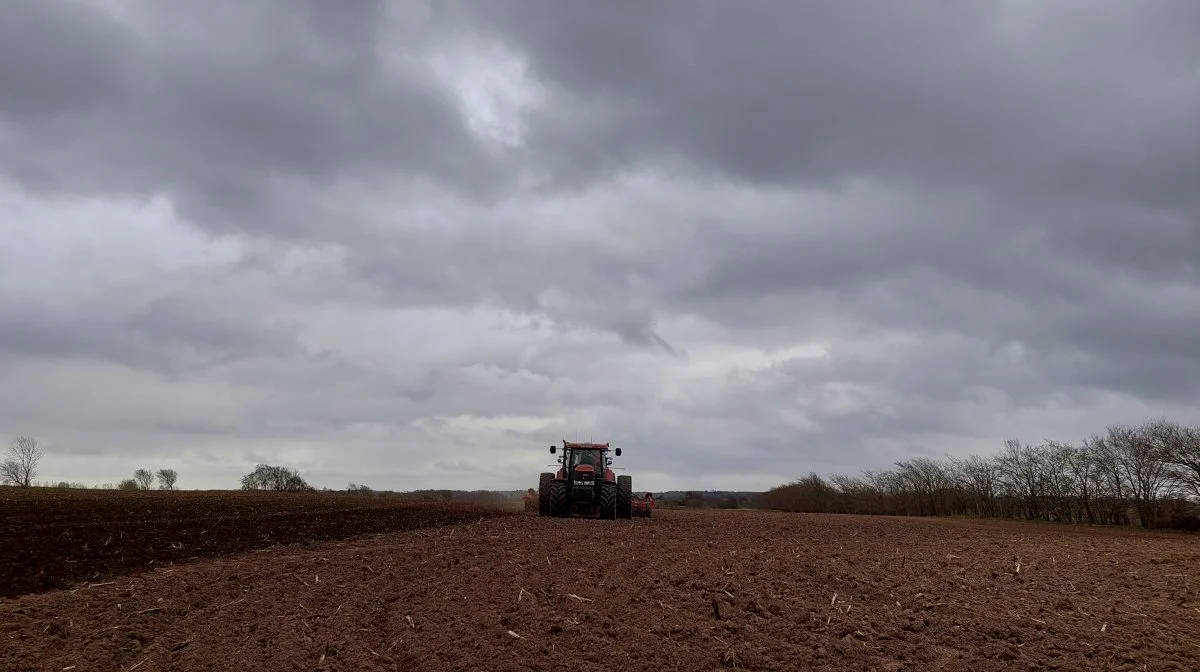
[(642, 506)]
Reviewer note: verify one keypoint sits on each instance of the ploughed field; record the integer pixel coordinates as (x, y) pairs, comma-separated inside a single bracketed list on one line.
[(686, 590), (51, 538)]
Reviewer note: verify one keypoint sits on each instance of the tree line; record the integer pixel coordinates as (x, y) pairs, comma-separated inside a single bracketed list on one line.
[(1146, 475), (143, 479), (20, 467)]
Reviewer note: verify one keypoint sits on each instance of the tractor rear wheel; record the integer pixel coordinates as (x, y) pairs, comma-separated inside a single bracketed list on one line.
[(608, 501), (625, 497), (558, 500), (544, 482)]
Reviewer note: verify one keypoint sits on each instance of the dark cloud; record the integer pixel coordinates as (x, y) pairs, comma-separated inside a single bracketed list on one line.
[(227, 107), (1095, 153), (1039, 181), (63, 62), (929, 93)]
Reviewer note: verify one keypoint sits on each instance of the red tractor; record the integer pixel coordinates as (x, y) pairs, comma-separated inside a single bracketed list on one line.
[(585, 484)]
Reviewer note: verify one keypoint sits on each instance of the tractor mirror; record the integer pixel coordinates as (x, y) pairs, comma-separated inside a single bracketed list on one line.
[(618, 451), (553, 448)]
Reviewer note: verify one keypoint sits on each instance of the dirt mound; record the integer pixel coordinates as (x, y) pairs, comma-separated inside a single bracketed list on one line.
[(687, 590), (56, 538)]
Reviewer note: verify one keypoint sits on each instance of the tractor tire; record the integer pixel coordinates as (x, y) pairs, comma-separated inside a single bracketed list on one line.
[(608, 501), (625, 497), (559, 507), (544, 482)]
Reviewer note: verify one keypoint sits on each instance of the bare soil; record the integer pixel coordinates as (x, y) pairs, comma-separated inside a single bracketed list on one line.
[(686, 590), (50, 538)]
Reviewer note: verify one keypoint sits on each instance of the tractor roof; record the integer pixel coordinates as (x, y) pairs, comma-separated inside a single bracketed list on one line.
[(585, 446)]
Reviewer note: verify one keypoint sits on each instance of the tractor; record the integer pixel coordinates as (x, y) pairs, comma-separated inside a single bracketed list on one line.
[(584, 485)]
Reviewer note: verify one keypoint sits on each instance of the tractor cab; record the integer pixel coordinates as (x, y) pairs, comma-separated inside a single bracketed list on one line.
[(586, 457), (585, 463)]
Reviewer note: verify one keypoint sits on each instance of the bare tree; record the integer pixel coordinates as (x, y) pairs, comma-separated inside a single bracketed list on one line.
[(927, 479), (855, 493), (1082, 465), (1112, 492), (144, 478), (980, 477), (1062, 489), (167, 478), (268, 477), (1182, 455), (1137, 451), (20, 466), (893, 492), (1021, 468)]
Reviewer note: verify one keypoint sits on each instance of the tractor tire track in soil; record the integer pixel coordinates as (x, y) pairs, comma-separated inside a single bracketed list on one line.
[(687, 590)]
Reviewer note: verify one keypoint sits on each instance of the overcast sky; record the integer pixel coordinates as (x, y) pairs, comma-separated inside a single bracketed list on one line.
[(412, 244)]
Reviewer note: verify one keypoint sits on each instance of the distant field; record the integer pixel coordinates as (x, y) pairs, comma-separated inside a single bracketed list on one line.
[(685, 590), (51, 538)]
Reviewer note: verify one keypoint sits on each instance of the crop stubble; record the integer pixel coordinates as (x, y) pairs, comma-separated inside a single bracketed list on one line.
[(688, 590)]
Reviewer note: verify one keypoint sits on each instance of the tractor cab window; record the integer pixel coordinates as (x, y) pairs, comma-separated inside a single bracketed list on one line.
[(588, 457)]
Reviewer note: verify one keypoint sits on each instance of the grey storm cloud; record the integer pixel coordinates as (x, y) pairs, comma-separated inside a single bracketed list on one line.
[(417, 241), (225, 105), (1013, 95)]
